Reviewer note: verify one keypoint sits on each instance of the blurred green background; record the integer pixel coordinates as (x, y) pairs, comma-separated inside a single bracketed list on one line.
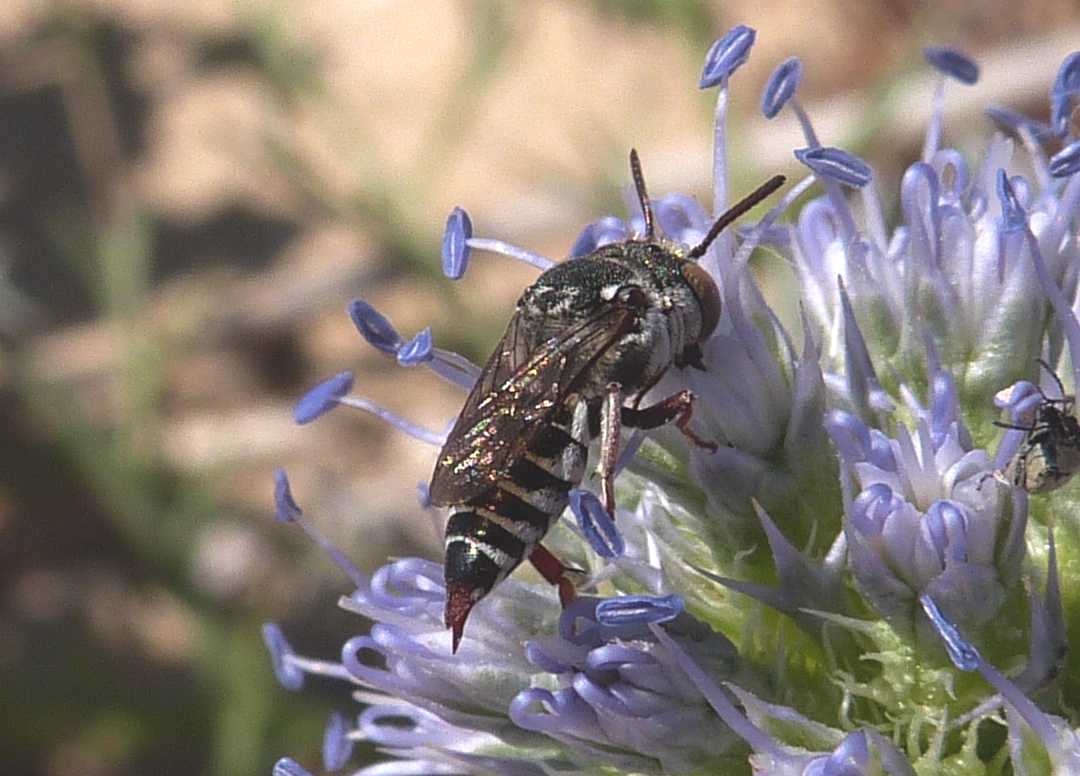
[(189, 196)]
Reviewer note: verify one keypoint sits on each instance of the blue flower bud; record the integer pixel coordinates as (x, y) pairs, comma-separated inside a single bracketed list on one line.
[(781, 86), (638, 609), (596, 524), (455, 245), (322, 398), (286, 508), (417, 350), (1066, 162), (836, 164), (373, 327), (726, 55), (952, 63)]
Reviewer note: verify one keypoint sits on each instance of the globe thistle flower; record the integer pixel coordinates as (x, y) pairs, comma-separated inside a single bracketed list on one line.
[(830, 592)]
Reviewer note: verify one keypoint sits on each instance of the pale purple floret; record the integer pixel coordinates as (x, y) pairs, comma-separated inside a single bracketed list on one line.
[(620, 688)]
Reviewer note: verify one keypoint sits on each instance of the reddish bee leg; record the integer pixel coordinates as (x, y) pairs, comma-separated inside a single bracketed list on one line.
[(610, 426), (678, 407), (554, 572)]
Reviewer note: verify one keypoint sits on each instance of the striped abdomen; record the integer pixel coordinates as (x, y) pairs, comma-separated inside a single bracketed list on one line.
[(490, 534)]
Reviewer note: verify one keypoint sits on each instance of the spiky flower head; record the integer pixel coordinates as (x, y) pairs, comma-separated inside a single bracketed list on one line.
[(852, 584)]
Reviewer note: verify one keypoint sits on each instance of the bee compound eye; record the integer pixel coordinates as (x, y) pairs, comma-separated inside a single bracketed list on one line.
[(708, 296)]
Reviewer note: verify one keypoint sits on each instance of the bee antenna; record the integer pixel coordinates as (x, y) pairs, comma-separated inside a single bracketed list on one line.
[(642, 194), (735, 211)]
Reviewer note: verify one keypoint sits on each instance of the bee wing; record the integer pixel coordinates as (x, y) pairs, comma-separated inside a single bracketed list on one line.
[(517, 391)]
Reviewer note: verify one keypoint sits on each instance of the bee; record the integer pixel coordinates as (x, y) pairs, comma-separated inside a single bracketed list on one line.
[(1050, 453), (591, 334)]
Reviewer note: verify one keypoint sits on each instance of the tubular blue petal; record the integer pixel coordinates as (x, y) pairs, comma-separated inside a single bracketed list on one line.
[(952, 63), (945, 525), (836, 164), (781, 86), (417, 350), (963, 655), (850, 435), (322, 398), (1064, 93), (288, 674), (455, 246), (638, 609), (373, 327), (596, 524), (872, 508), (1066, 162), (285, 507), (287, 766), (726, 55), (337, 746)]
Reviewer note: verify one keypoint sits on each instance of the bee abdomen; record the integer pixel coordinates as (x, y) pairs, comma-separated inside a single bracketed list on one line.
[(476, 556), (491, 533)]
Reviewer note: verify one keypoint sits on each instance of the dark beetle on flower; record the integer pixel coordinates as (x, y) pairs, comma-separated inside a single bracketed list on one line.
[(589, 335)]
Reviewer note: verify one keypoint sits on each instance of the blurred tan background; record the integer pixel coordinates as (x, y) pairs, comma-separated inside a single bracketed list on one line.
[(190, 194)]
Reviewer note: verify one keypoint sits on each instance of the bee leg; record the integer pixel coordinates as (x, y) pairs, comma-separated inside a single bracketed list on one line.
[(610, 426), (678, 407), (554, 572)]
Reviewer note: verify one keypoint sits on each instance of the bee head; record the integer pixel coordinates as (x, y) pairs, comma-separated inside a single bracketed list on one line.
[(699, 281)]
